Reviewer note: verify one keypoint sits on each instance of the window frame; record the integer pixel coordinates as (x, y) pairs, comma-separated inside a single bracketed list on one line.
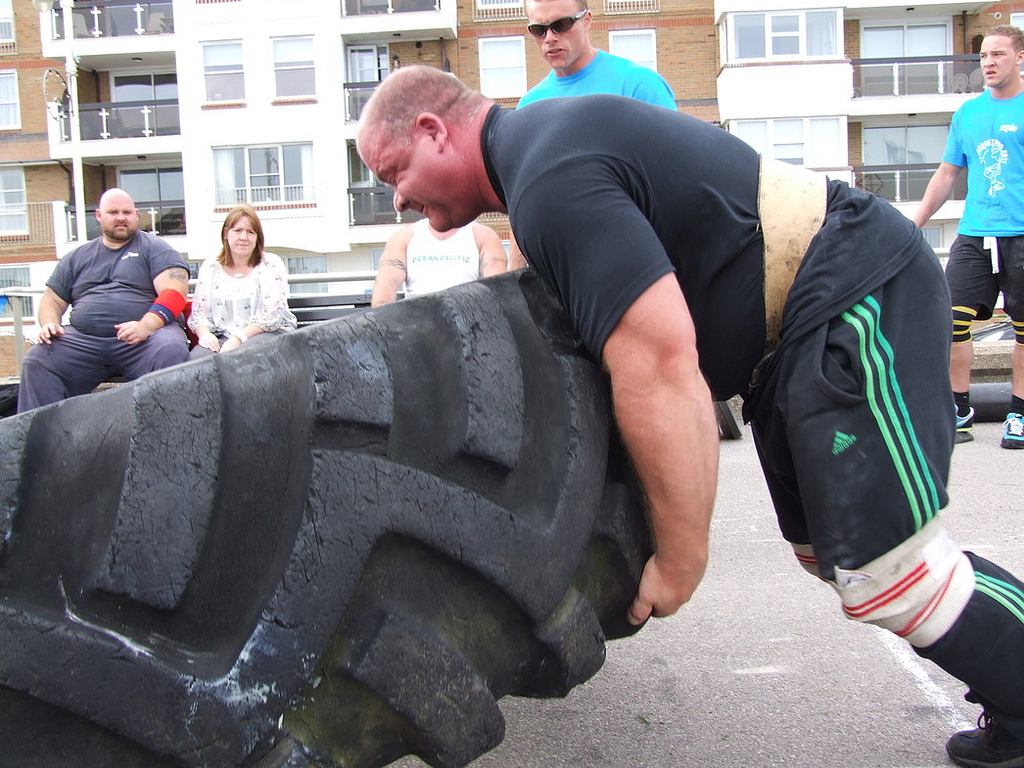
[(285, 169), (652, 34), (231, 70), (289, 66), (520, 87), (16, 207), (14, 104), (801, 35), (806, 138)]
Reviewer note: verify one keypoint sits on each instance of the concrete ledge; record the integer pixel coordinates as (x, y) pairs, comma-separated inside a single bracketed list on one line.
[(992, 361)]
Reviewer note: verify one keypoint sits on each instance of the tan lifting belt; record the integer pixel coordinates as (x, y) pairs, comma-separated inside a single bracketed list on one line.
[(791, 205)]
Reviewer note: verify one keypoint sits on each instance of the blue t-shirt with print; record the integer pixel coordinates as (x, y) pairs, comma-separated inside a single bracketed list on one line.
[(987, 137)]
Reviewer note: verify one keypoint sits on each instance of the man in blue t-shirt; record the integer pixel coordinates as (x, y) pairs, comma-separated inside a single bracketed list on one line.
[(127, 289), (562, 31), (987, 138)]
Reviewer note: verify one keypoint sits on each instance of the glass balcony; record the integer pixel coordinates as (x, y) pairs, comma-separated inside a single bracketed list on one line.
[(376, 205), (125, 120), (116, 18), (902, 183), (917, 76), (161, 217), (369, 7), (356, 96)]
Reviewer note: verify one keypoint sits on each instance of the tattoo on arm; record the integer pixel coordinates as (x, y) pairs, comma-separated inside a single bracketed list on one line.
[(397, 263), (178, 273)]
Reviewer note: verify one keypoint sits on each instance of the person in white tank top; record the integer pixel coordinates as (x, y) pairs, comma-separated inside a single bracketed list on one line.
[(426, 260)]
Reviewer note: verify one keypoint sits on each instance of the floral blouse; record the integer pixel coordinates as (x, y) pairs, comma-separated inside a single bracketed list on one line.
[(227, 304)]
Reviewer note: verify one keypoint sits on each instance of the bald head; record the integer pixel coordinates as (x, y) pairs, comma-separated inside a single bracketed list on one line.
[(404, 95), (118, 218)]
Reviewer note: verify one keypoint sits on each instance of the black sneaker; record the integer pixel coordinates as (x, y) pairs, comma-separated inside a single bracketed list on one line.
[(988, 746)]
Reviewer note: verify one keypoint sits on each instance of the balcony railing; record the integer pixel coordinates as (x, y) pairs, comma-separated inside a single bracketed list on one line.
[(26, 224), (287, 194), (161, 217), (376, 205), (8, 47), (498, 10), (356, 96), (613, 7), (370, 7), (917, 76), (902, 183), (125, 120), (115, 18)]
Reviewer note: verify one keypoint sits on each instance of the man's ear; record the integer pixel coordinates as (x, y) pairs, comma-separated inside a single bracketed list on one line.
[(433, 126)]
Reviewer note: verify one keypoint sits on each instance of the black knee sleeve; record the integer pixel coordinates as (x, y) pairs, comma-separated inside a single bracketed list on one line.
[(962, 319)]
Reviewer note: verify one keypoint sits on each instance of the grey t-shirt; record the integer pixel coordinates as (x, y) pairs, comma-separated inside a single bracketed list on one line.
[(106, 287)]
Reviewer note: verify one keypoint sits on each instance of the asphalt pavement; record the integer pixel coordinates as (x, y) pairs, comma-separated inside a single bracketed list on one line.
[(761, 669)]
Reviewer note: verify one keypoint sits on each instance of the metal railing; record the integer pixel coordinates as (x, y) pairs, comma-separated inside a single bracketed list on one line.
[(8, 46), (161, 217), (902, 183), (124, 120), (115, 18), (27, 224), (372, 7), (284, 194), (917, 76), (615, 7), (376, 205)]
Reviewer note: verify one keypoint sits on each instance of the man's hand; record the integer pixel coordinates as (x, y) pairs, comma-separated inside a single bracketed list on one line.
[(137, 331), (661, 594), (48, 331)]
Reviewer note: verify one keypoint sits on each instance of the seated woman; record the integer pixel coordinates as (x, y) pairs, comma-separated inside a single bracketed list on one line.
[(243, 292)]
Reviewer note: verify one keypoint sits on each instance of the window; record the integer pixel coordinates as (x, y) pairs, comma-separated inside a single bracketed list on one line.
[(6, 24), (281, 173), (789, 35), (146, 87), (13, 277), (293, 67), (159, 194), (502, 67), (10, 113), (13, 209), (637, 45), (307, 265), (225, 78), (813, 141), (893, 41), (904, 144)]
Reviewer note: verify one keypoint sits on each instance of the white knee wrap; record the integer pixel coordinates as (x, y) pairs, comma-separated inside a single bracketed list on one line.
[(917, 590)]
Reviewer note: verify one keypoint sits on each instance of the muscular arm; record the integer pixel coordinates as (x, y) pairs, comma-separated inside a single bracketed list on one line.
[(665, 414), (937, 192), (392, 270), (137, 331), (493, 260), (51, 309)]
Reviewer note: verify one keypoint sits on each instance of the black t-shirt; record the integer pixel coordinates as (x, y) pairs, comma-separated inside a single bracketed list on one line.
[(606, 195), (106, 287)]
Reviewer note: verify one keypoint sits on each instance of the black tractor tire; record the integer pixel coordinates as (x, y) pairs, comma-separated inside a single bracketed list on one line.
[(334, 549)]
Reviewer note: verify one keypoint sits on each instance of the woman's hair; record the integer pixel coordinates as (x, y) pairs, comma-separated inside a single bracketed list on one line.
[(236, 213)]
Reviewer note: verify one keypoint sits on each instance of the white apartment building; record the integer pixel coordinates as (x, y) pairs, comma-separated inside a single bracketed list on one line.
[(195, 105), (863, 91)]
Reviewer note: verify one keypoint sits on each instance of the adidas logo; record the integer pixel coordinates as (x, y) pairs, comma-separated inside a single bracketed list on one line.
[(841, 442)]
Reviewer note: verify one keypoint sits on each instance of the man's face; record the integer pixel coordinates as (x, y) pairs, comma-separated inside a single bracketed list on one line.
[(999, 62), (425, 177), (119, 221), (561, 52)]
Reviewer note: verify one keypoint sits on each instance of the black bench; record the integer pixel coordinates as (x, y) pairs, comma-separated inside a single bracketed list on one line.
[(317, 307)]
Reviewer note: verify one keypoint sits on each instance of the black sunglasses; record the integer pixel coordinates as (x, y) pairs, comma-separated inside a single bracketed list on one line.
[(558, 26)]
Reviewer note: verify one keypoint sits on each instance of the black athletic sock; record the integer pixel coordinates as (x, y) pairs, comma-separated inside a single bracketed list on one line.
[(1016, 405), (963, 403)]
